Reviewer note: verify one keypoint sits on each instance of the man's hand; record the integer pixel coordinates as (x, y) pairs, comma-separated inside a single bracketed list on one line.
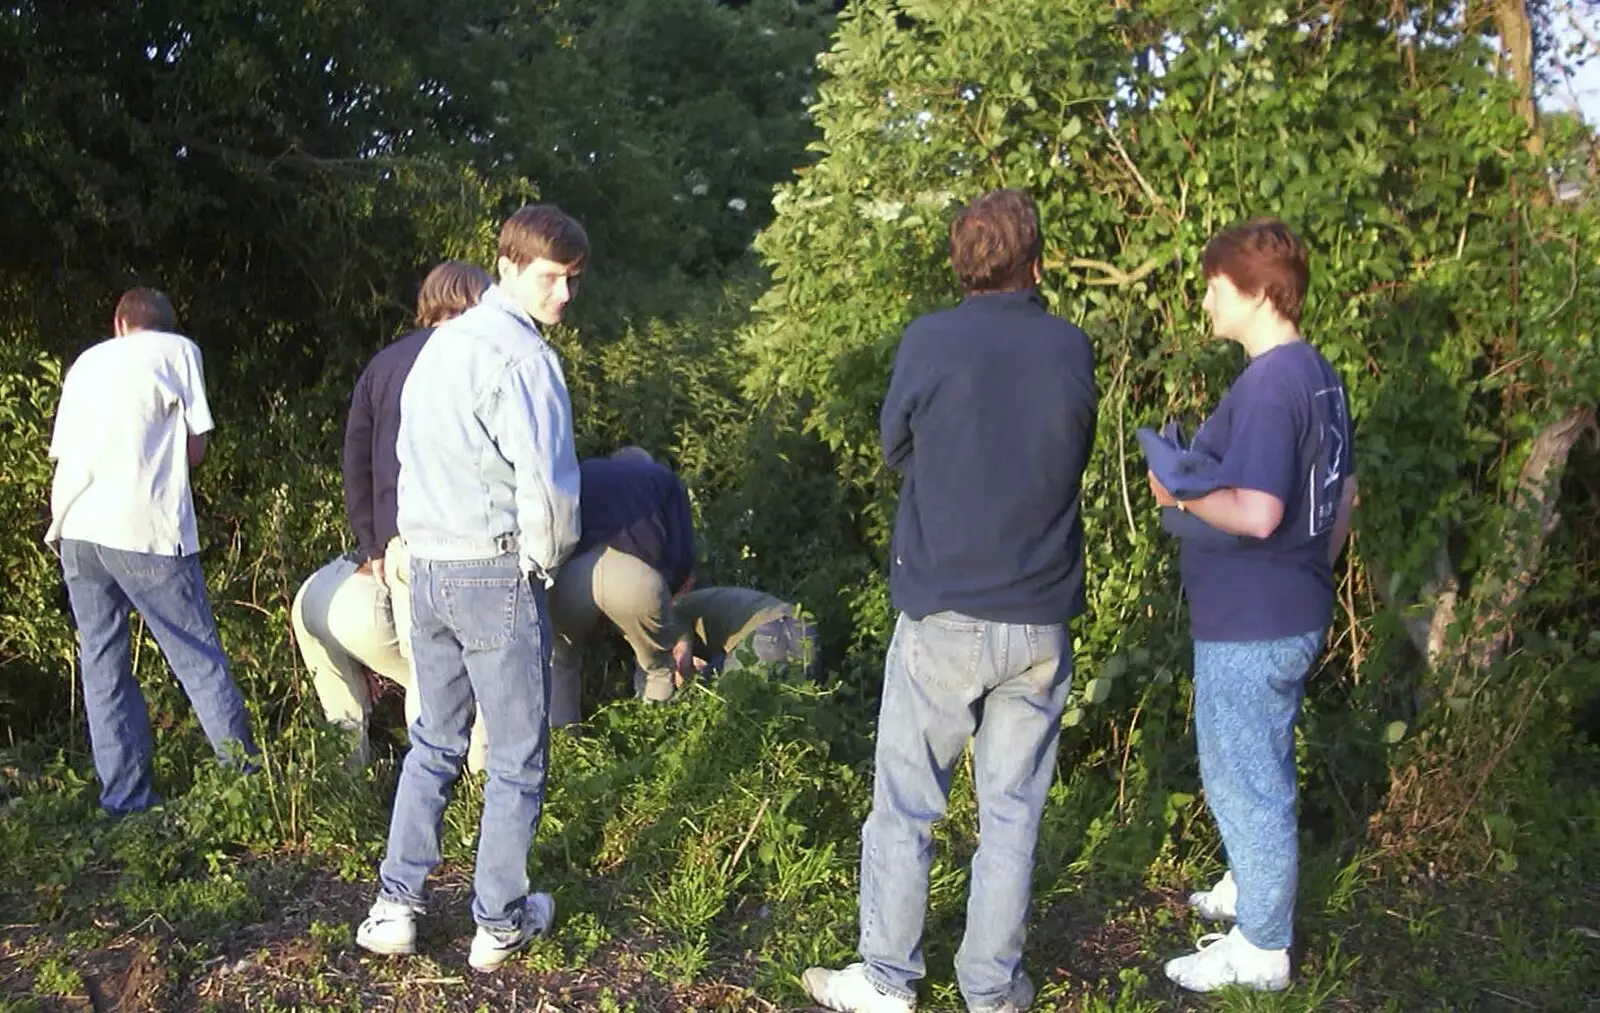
[(376, 687), (684, 661), (1159, 491), (374, 566)]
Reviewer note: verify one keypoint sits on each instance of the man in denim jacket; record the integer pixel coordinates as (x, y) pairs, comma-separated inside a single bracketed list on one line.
[(488, 509)]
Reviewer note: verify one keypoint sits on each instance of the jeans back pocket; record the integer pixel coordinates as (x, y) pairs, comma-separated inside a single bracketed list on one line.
[(481, 611), (946, 653)]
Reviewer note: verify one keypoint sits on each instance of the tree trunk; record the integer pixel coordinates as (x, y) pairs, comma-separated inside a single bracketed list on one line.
[(1515, 28)]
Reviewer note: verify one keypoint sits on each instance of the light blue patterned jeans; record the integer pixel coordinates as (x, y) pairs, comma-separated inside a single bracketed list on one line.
[(1246, 701)]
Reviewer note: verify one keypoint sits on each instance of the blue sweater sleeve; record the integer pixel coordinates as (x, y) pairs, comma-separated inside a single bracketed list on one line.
[(899, 404)]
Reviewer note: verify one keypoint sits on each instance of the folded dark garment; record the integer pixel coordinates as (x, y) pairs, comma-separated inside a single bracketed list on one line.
[(1187, 474)]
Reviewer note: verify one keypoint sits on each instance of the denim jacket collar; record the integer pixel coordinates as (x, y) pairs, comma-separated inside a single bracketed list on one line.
[(496, 297)]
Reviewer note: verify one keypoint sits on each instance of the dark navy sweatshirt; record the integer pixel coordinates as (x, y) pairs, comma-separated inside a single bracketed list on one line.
[(989, 420), (371, 466), (641, 508)]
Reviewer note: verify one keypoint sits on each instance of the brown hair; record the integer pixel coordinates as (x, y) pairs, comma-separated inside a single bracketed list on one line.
[(632, 452), (995, 242), (449, 290), (1261, 256), (544, 231), (145, 309)]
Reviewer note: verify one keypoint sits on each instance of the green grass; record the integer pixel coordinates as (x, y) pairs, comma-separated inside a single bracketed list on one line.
[(703, 854)]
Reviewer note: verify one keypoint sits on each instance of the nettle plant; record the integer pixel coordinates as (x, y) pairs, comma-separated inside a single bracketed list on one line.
[(1450, 288)]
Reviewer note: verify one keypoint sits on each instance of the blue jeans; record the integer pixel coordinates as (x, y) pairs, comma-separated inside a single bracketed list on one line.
[(480, 631), (103, 585), (1246, 701), (948, 680)]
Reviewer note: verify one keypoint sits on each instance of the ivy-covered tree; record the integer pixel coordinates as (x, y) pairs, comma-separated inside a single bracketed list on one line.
[(1450, 289)]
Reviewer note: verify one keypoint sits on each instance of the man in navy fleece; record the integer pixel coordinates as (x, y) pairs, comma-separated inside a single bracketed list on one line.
[(635, 555), (989, 420)]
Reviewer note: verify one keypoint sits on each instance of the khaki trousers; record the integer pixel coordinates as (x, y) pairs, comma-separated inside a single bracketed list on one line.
[(344, 627), (603, 582)]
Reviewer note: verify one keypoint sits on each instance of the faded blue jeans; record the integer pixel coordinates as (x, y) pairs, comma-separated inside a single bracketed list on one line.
[(480, 632), (950, 679), (103, 585), (1246, 701)]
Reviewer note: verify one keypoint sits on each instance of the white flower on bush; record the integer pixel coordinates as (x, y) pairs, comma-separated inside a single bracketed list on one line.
[(883, 210), (700, 189), (737, 204)]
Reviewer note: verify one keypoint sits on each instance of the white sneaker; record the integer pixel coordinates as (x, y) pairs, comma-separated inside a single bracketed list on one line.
[(491, 949), (390, 928), (1220, 903), (1018, 1000), (849, 991), (1230, 960), (655, 686)]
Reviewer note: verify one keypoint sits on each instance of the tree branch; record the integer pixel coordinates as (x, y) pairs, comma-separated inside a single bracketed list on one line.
[(1533, 518)]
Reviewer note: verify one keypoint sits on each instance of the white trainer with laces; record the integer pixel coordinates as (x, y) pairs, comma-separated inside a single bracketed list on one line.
[(1220, 903), (491, 949), (849, 991), (1231, 959), (390, 929)]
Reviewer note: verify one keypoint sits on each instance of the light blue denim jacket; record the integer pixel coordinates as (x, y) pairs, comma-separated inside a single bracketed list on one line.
[(486, 449)]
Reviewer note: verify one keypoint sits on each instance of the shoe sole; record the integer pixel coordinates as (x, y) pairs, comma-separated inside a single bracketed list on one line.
[(1254, 986), (388, 949), (494, 965)]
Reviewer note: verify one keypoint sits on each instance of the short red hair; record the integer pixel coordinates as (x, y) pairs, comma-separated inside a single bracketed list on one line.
[(1262, 256)]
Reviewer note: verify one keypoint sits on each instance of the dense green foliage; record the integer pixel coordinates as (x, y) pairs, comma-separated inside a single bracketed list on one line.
[(288, 170)]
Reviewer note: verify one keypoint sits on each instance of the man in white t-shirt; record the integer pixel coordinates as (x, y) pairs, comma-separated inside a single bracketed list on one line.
[(132, 423)]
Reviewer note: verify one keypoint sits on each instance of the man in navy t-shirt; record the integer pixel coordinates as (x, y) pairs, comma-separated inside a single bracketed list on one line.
[(1260, 606)]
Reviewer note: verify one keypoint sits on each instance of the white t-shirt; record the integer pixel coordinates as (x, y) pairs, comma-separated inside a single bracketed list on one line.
[(128, 406)]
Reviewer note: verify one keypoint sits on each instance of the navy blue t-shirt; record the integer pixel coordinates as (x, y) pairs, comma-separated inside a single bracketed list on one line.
[(1283, 429)]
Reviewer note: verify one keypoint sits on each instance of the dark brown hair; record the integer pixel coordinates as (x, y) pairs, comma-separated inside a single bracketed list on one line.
[(544, 231), (449, 290), (995, 241), (145, 309), (1262, 256)]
